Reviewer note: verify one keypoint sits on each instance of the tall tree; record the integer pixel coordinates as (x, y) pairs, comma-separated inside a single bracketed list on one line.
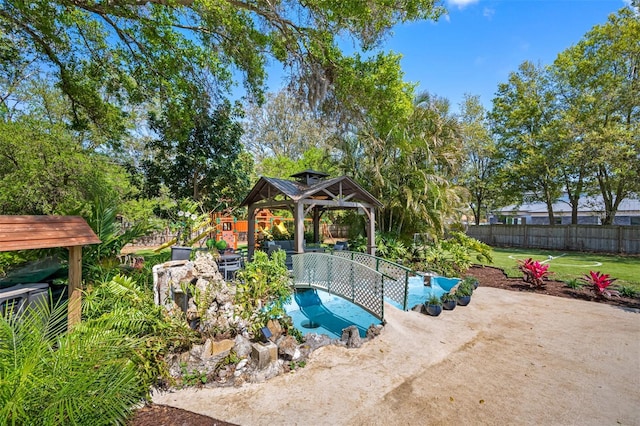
[(106, 54), (204, 161), (599, 79), (481, 164), (525, 119), (284, 130)]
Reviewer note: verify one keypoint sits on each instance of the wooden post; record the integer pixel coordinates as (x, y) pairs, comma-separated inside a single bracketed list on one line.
[(316, 225), (299, 227), (371, 238), (251, 233), (74, 310)]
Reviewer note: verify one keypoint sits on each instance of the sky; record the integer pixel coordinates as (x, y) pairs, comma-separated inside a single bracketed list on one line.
[(479, 42)]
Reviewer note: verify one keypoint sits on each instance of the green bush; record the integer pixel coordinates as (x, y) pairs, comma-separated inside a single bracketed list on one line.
[(53, 377), (263, 287)]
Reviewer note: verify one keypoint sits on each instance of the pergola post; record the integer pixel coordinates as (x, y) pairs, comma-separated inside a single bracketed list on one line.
[(316, 225), (371, 235), (251, 232), (74, 308), (299, 227)]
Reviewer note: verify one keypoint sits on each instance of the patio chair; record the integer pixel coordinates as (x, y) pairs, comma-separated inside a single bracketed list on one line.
[(230, 267)]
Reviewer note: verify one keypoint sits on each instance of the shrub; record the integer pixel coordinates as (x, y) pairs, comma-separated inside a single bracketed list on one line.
[(52, 377), (627, 291), (599, 284), (533, 271), (575, 284), (263, 287)]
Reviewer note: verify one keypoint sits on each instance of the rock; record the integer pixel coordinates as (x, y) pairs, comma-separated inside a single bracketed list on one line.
[(275, 328), (219, 349), (288, 348), (242, 364), (271, 370), (314, 341), (351, 336), (242, 346), (374, 331)]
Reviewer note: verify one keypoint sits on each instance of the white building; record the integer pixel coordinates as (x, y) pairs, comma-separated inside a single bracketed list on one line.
[(590, 212)]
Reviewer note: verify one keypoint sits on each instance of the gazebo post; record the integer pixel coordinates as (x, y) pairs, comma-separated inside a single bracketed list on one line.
[(74, 308), (316, 225), (371, 235), (299, 227), (251, 232)]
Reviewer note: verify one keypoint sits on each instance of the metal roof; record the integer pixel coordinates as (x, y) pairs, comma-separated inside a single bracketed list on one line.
[(35, 232), (267, 188)]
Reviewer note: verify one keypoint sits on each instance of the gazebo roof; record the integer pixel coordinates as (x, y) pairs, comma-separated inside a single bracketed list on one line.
[(35, 232), (334, 192)]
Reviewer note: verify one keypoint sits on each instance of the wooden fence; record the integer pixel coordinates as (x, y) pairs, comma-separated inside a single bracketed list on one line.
[(589, 238)]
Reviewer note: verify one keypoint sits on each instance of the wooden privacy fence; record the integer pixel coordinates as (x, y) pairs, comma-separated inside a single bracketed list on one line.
[(590, 238)]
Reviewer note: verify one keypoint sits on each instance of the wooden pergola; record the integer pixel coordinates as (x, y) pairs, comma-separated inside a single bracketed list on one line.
[(311, 193), (37, 232)]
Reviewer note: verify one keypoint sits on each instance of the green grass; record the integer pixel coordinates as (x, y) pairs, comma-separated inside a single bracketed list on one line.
[(570, 265)]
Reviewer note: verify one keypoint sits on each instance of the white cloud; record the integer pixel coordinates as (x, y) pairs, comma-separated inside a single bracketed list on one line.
[(461, 4), (487, 12)]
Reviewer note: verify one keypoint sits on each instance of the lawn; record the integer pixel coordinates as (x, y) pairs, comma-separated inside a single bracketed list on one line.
[(571, 265)]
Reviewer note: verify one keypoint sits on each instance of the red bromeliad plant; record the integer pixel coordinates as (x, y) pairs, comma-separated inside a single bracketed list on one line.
[(533, 271), (599, 283)]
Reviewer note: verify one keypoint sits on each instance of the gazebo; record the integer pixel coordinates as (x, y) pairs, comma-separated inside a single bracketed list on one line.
[(311, 192), (36, 232)]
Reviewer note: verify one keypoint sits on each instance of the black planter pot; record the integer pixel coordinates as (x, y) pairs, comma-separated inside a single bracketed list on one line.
[(449, 305), (433, 310), (464, 300), (180, 253)]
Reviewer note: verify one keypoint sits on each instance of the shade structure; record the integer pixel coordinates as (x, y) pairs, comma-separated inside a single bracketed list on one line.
[(37, 232), (311, 193)]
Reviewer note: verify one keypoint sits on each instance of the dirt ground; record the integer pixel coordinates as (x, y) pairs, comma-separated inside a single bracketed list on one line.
[(509, 357)]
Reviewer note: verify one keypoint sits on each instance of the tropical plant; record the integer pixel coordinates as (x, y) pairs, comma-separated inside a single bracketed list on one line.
[(575, 284), (434, 300), (465, 288), (124, 306), (190, 224), (627, 291), (263, 287), (103, 219), (448, 297), (533, 271), (50, 376), (599, 284)]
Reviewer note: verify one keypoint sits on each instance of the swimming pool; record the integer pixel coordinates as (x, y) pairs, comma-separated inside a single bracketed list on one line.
[(316, 311)]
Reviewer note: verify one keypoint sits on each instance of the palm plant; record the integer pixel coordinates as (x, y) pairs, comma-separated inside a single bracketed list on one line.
[(51, 377)]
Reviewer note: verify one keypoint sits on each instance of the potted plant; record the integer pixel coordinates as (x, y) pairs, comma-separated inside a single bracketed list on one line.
[(433, 305), (473, 280), (464, 292), (449, 301), (221, 245)]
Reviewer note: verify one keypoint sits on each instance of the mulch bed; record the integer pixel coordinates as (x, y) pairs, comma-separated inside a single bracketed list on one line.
[(494, 277), (161, 415)]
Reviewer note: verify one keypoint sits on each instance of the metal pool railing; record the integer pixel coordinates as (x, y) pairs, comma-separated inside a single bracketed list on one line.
[(343, 277), (396, 276)]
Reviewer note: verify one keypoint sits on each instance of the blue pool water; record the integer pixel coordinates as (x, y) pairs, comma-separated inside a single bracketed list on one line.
[(316, 311)]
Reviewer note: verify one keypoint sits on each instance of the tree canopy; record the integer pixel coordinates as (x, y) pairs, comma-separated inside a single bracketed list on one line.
[(107, 54)]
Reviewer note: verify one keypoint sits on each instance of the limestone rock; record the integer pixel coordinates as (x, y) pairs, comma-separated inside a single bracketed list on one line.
[(275, 328), (242, 346), (288, 348), (351, 336)]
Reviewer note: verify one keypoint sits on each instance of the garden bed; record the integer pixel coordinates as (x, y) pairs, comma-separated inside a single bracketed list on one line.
[(494, 277)]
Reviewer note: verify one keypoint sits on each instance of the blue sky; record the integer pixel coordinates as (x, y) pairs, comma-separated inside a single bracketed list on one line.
[(479, 42)]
